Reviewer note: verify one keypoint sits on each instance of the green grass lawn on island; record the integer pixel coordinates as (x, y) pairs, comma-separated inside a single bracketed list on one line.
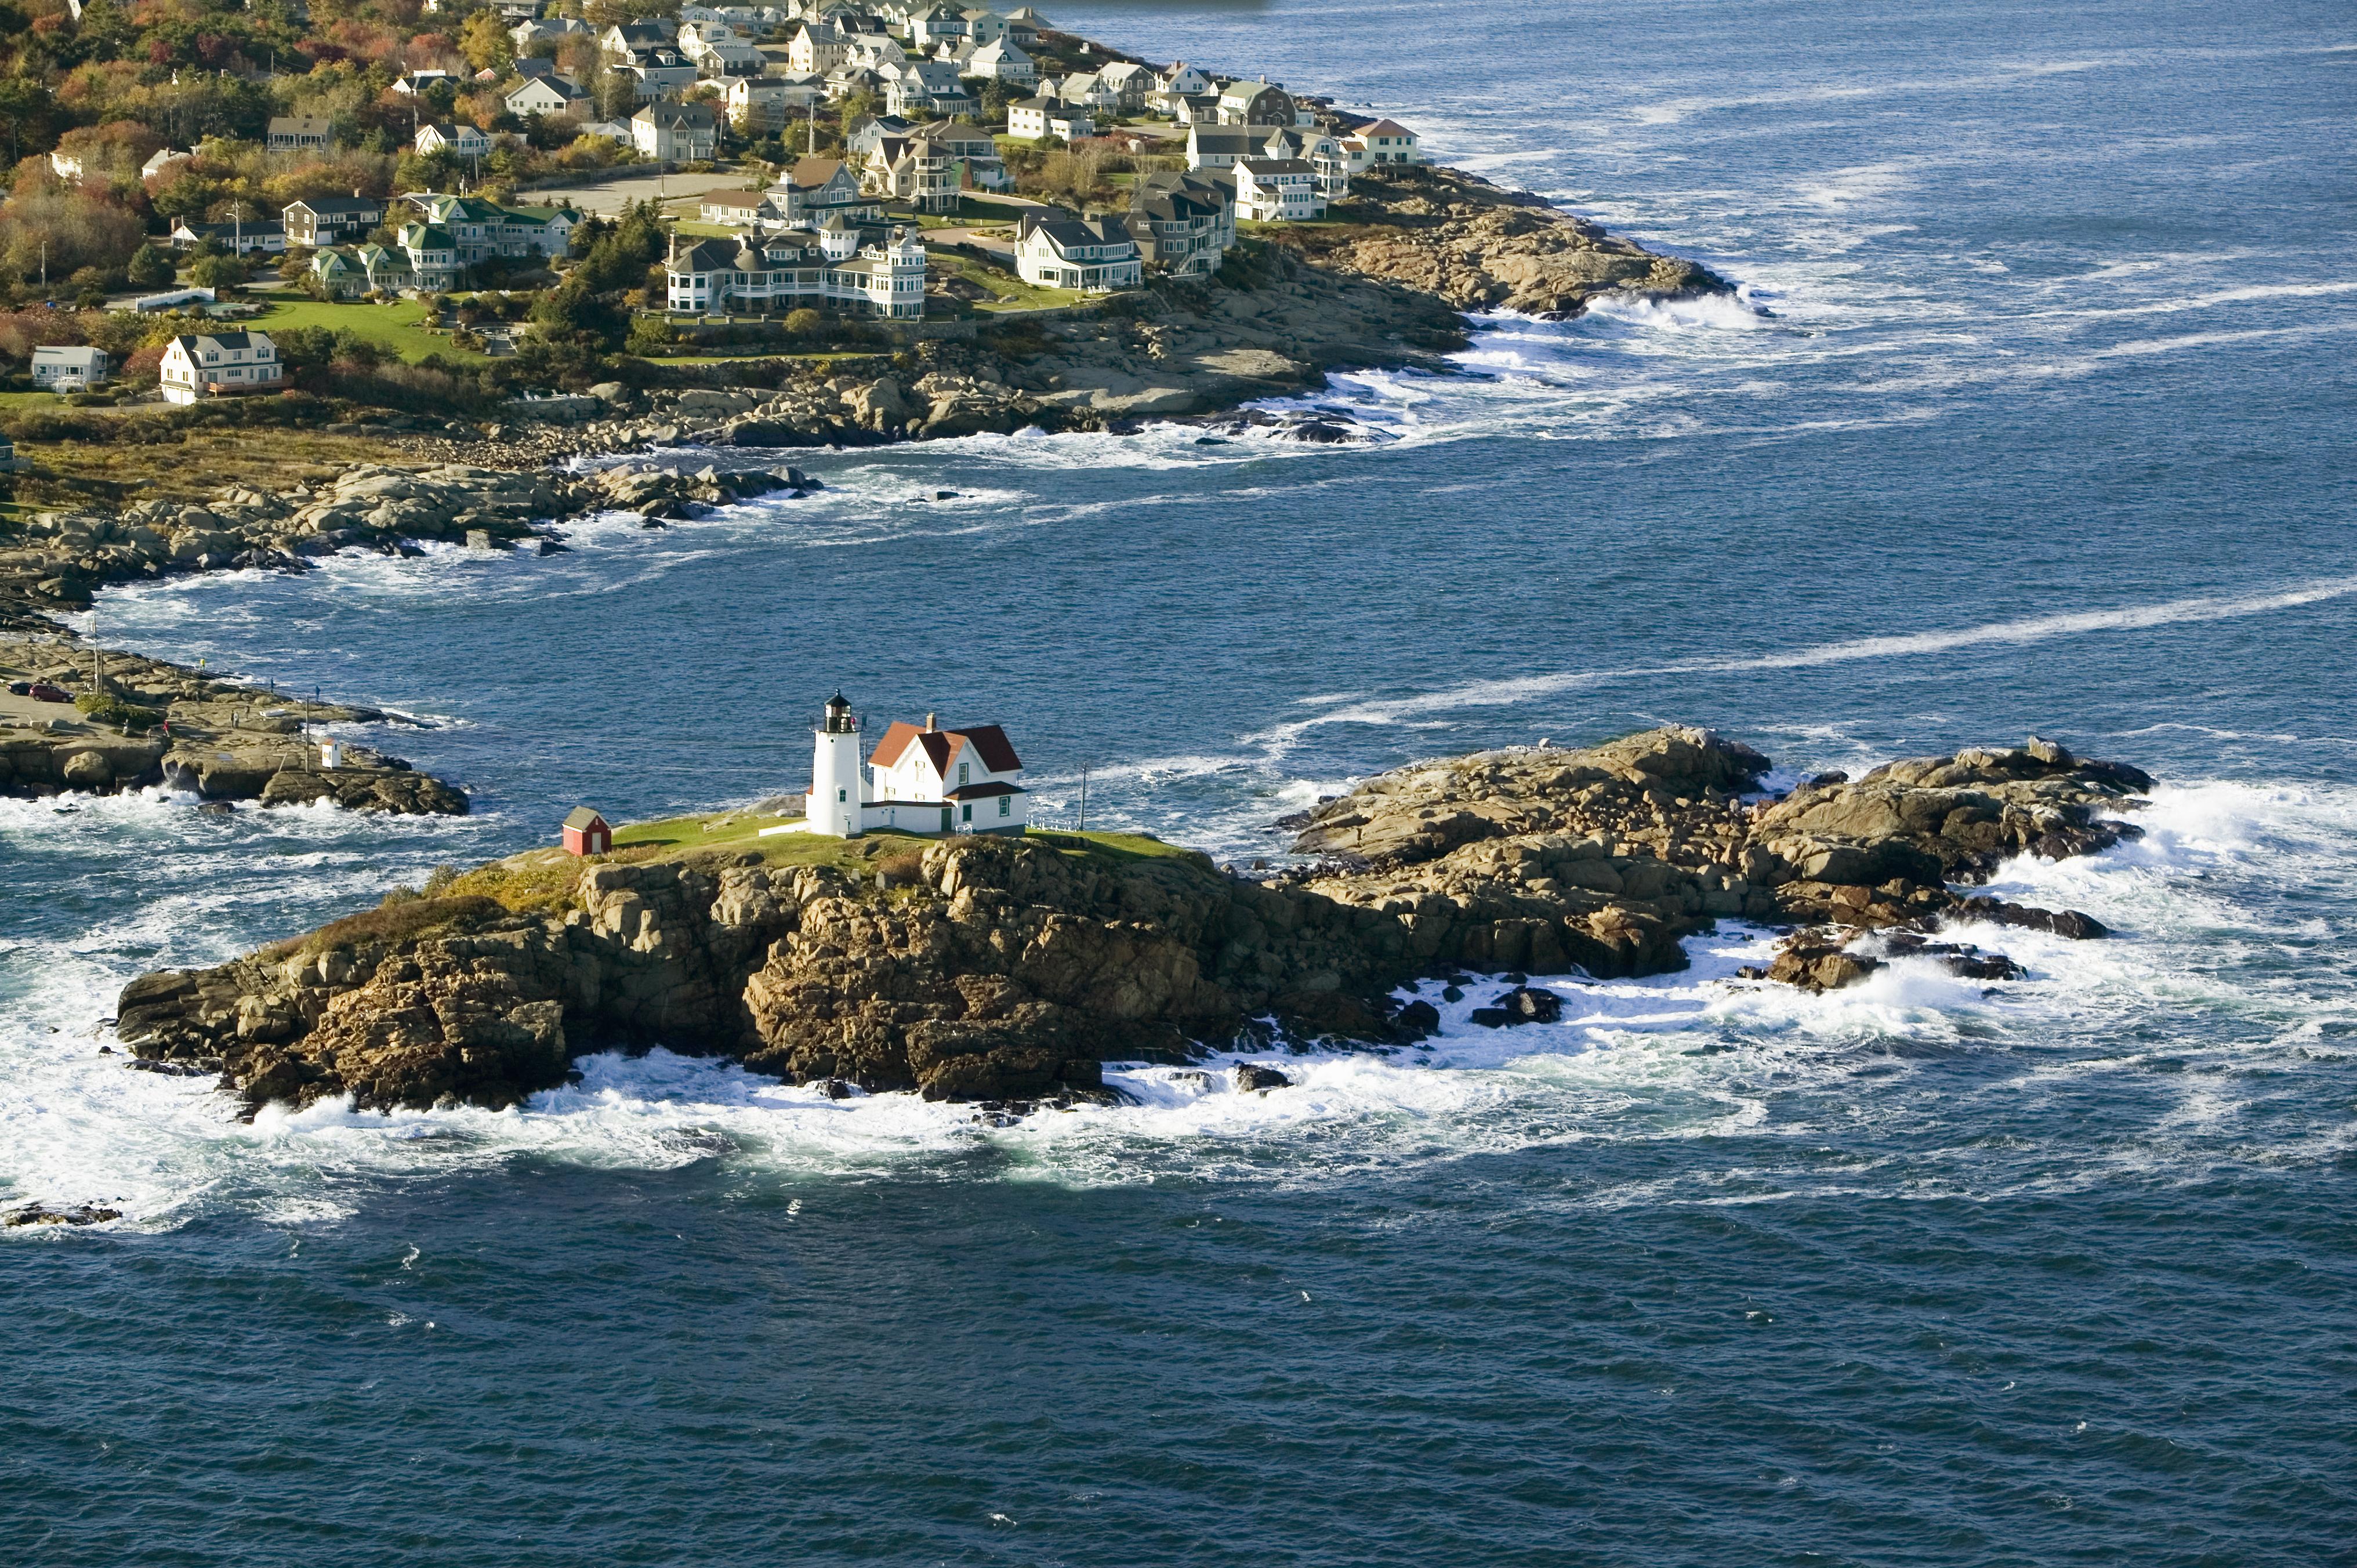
[(399, 328), (542, 881)]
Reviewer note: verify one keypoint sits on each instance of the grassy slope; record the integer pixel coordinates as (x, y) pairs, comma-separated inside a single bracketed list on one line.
[(398, 327)]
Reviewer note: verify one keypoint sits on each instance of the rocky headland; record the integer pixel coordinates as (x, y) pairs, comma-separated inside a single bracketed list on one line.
[(997, 969), (99, 721)]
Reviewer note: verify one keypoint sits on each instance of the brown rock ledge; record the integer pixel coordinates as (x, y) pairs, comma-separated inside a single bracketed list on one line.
[(997, 969)]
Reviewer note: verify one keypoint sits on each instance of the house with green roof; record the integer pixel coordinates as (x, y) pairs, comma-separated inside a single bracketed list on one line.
[(433, 255)]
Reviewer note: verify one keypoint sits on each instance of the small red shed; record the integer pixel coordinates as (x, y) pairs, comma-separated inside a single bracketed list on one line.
[(585, 832)]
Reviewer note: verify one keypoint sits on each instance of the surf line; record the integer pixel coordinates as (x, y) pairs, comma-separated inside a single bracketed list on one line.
[(2032, 629)]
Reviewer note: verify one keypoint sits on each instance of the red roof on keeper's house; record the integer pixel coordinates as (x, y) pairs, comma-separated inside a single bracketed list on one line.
[(942, 746)]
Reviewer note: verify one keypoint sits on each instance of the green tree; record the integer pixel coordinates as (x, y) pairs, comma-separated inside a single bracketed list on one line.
[(220, 273), (484, 41), (149, 267), (574, 314)]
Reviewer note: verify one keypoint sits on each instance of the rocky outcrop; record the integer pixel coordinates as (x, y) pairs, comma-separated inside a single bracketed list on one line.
[(1457, 238), (1000, 969), (1608, 858), (164, 724), (993, 969)]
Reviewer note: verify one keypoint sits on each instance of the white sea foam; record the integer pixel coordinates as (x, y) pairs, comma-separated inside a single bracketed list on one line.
[(1695, 1055)]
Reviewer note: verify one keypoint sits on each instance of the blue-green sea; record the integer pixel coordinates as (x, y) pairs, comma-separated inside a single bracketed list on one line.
[(2034, 412)]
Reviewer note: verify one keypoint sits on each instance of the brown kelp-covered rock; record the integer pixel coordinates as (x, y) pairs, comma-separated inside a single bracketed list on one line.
[(991, 968)]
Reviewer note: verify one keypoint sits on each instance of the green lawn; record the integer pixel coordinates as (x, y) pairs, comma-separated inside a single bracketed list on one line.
[(31, 400), (1025, 297), (542, 881), (399, 328)]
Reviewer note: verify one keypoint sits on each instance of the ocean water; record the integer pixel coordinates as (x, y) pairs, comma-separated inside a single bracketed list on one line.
[(2034, 413)]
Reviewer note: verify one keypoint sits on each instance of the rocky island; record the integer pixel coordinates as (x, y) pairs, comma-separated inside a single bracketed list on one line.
[(1010, 969)]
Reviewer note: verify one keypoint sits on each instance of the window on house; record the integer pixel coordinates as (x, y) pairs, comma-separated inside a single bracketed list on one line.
[(965, 812), (841, 795)]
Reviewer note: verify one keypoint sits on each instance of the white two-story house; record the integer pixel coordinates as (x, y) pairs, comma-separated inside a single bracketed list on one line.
[(1271, 190), (218, 364), (1062, 250), (948, 781)]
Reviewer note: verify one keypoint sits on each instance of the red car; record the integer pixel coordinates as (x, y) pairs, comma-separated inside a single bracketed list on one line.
[(42, 691)]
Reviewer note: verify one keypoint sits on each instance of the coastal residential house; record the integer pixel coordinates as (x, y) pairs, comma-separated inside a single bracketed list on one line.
[(984, 26), (818, 49), (550, 94), (480, 227), (1062, 250), (1001, 60), (1182, 80), (979, 166), (624, 39), (218, 364), (331, 219), (458, 140), (737, 208), (872, 134), (1031, 118), (928, 781), (724, 57), (933, 25), (527, 35), (680, 131), (818, 188), (1259, 102), (586, 832), (387, 269), (658, 74), (339, 273), (1275, 190), (1209, 148), (1321, 152), (237, 237), (770, 103), (299, 133), (921, 172), (860, 270), (1183, 223), (161, 160), (1127, 82), (1385, 142), (66, 368), (417, 81), (926, 86), (434, 260)]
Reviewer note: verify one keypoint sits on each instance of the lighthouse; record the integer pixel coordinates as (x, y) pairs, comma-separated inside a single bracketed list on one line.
[(836, 792)]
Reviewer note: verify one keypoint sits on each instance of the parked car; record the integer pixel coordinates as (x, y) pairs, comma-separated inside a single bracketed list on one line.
[(42, 691)]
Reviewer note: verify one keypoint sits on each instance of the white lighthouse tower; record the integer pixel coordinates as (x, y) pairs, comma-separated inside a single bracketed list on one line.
[(836, 792)]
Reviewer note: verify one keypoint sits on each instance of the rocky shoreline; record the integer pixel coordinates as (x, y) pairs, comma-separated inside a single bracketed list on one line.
[(1382, 289), (1008, 971)]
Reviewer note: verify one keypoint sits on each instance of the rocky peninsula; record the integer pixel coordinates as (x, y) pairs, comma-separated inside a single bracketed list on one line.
[(998, 969)]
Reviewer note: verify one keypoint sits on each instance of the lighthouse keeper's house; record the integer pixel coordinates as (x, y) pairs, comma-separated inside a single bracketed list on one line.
[(926, 780)]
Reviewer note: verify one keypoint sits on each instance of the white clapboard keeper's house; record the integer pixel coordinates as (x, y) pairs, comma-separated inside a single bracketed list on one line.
[(926, 780)]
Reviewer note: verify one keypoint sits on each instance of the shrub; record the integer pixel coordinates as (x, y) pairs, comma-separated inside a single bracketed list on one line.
[(109, 709)]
